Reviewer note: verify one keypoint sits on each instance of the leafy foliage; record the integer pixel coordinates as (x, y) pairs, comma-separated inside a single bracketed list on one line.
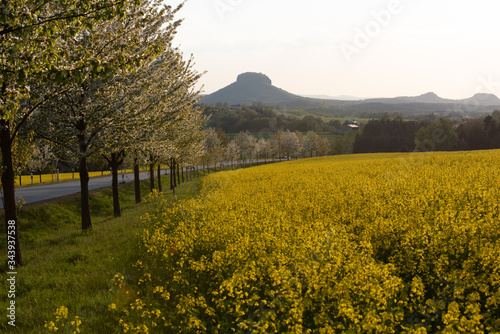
[(437, 136), (260, 118), (139, 104), (480, 133), (37, 44), (45, 43), (387, 135)]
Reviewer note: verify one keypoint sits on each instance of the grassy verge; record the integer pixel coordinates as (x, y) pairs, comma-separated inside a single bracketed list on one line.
[(65, 266)]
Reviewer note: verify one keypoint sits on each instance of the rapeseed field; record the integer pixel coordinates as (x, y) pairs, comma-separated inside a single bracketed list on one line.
[(381, 243)]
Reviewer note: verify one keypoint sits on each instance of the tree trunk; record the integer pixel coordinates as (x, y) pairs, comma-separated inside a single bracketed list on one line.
[(137, 181), (115, 163), (152, 174), (85, 200), (172, 175), (9, 194), (159, 178), (178, 174)]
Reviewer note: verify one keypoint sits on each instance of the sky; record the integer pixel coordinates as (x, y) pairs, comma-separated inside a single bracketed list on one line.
[(362, 48)]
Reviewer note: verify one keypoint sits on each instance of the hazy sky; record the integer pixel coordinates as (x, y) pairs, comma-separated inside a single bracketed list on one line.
[(364, 48)]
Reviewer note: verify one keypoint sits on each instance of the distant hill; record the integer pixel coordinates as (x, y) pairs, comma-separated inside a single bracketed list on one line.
[(424, 98), (257, 87), (483, 99), (341, 97), (249, 88), (433, 98)]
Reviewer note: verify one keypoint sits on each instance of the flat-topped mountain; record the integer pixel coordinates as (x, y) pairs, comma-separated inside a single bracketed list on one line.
[(248, 88), (257, 87)]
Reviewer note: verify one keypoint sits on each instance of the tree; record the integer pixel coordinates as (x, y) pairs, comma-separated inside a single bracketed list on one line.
[(34, 49), (309, 144), (173, 123), (155, 96), (479, 133), (22, 150), (472, 135), (323, 146), (213, 149), (246, 142), (314, 145), (262, 149), (80, 118), (233, 152), (437, 136), (224, 139), (181, 140), (33, 46), (41, 157), (288, 143), (189, 143), (343, 144), (387, 135), (492, 128)]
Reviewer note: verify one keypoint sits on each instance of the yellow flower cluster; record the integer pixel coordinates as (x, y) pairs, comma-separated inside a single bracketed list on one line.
[(61, 322), (133, 314), (385, 243)]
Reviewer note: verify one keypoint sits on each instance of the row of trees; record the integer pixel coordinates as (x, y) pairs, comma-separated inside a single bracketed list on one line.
[(246, 147), (93, 78), (397, 135), (479, 133), (387, 135)]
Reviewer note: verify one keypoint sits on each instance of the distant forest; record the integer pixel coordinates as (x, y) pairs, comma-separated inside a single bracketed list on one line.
[(444, 134), (259, 118), (386, 132)]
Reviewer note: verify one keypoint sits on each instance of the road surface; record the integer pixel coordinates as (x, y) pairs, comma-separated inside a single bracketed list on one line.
[(40, 193)]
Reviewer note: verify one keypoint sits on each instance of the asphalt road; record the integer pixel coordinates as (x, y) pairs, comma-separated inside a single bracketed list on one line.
[(35, 194), (38, 193)]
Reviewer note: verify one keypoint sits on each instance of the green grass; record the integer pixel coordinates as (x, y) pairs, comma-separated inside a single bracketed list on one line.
[(324, 116), (64, 266), (269, 136)]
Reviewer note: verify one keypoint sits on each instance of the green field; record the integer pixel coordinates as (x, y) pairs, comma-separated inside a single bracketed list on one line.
[(269, 136), (303, 113), (65, 267)]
